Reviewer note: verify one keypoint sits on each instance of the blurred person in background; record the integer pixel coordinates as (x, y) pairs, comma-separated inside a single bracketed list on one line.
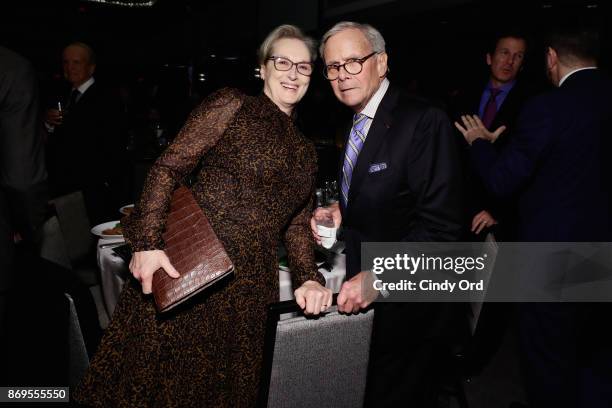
[(497, 103), (558, 161), (23, 189), (85, 145)]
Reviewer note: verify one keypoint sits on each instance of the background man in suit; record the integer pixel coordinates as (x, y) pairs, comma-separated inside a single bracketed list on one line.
[(22, 172), (497, 103), (558, 158), (85, 146), (400, 181)]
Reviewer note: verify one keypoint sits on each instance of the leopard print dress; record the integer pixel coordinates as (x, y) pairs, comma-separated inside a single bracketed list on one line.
[(255, 185)]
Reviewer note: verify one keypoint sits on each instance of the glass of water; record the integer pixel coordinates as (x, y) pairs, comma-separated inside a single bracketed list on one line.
[(331, 192)]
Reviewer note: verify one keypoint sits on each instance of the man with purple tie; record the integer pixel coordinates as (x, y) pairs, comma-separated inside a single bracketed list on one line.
[(497, 103), (85, 144)]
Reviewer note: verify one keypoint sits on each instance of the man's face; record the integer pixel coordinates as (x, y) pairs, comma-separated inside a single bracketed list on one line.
[(76, 64), (507, 60), (354, 90)]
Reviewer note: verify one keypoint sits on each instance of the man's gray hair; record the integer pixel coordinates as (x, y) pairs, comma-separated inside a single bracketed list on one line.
[(376, 40)]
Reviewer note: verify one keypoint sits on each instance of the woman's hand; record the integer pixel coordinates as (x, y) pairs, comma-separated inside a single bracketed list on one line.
[(145, 263), (313, 298)]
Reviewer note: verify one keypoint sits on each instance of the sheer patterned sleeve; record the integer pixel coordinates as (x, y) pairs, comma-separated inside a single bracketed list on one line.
[(298, 238), (204, 127)]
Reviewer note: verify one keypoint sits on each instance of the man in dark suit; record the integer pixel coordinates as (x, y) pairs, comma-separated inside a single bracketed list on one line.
[(400, 181), (498, 103), (85, 146), (557, 160)]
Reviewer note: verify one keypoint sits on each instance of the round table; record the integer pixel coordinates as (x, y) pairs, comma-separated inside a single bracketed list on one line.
[(114, 272)]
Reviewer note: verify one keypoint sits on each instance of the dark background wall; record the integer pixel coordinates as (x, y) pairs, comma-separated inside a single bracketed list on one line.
[(195, 46)]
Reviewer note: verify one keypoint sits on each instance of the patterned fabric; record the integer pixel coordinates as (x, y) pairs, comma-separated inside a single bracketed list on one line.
[(353, 147), (490, 109), (256, 186)]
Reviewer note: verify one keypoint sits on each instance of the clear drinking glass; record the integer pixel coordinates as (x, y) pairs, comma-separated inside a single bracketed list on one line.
[(331, 192), (326, 229)]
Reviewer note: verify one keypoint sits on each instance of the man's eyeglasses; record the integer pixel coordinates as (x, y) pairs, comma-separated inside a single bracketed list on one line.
[(352, 66), (285, 64)]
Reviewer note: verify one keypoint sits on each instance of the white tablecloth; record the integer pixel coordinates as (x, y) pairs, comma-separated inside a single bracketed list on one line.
[(114, 272)]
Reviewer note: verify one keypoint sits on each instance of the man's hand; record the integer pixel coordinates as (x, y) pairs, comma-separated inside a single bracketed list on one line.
[(313, 298), (333, 210), (473, 129), (53, 117), (481, 221), (357, 293), (145, 263)]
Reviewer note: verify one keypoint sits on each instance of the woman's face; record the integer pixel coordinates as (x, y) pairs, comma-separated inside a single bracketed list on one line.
[(286, 88)]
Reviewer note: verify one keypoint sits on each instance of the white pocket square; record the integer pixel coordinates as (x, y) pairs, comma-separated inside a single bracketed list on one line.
[(374, 168)]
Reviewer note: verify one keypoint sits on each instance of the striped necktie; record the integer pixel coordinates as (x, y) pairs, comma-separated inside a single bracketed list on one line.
[(353, 147)]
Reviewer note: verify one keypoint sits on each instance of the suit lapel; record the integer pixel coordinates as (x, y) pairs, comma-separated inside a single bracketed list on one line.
[(378, 129), (84, 98)]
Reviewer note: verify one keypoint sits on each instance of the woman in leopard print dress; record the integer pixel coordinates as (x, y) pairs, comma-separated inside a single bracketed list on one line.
[(256, 187)]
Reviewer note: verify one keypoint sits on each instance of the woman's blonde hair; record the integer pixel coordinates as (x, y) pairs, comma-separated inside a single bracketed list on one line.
[(285, 31)]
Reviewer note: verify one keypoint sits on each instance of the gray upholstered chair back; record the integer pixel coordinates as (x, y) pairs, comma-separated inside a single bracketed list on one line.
[(78, 359), (477, 301), (74, 223), (53, 246), (320, 362)]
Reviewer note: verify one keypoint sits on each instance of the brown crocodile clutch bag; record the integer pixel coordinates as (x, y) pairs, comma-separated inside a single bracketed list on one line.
[(194, 251)]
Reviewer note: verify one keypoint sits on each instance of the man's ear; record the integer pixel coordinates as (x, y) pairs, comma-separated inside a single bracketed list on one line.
[(381, 64), (488, 58), (552, 59)]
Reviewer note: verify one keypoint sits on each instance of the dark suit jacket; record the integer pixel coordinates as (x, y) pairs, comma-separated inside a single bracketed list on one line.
[(86, 152), (478, 198), (418, 196), (22, 170), (558, 161)]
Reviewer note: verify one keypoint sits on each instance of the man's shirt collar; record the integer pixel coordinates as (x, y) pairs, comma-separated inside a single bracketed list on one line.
[(85, 85), (372, 106), (573, 72)]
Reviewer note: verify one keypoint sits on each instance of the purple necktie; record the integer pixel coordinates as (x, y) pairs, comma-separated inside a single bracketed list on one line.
[(353, 147), (490, 109)]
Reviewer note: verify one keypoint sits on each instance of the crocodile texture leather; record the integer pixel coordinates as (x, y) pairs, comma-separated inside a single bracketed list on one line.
[(194, 251)]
